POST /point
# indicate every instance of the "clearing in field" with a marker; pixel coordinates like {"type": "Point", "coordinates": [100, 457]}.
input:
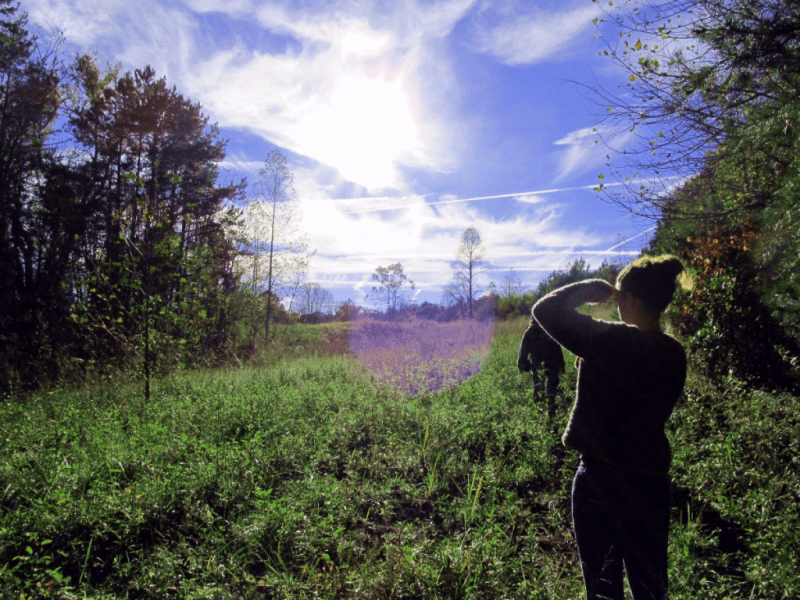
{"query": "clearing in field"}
{"type": "Point", "coordinates": [420, 356]}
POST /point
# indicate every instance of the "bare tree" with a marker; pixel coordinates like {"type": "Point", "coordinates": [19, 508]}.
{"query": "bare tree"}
{"type": "Point", "coordinates": [291, 289]}
{"type": "Point", "coordinates": [315, 298]}
{"type": "Point", "coordinates": [271, 230]}
{"type": "Point", "coordinates": [390, 281]}
{"type": "Point", "coordinates": [468, 266]}
{"type": "Point", "coordinates": [512, 285]}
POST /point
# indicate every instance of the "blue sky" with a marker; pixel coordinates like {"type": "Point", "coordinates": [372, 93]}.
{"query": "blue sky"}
{"type": "Point", "coordinates": [404, 122]}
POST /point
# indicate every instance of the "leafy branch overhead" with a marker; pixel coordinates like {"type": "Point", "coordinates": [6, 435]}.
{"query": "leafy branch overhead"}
{"type": "Point", "coordinates": [707, 82]}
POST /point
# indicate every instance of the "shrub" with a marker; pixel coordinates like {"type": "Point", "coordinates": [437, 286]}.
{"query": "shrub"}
{"type": "Point", "coordinates": [732, 332]}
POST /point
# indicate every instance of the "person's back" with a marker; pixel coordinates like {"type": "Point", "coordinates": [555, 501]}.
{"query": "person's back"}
{"type": "Point", "coordinates": [539, 347]}
{"type": "Point", "coordinates": [628, 384]}
{"type": "Point", "coordinates": [630, 377]}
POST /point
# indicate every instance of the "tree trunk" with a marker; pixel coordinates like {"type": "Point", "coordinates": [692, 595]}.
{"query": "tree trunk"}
{"type": "Point", "coordinates": [269, 280]}
{"type": "Point", "coordinates": [470, 288]}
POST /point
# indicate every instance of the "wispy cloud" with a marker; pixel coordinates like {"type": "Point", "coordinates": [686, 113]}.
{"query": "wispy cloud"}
{"type": "Point", "coordinates": [530, 197]}
{"type": "Point", "coordinates": [383, 203]}
{"type": "Point", "coordinates": [523, 33]}
{"type": "Point", "coordinates": [424, 238]}
{"type": "Point", "coordinates": [369, 92]}
{"type": "Point", "coordinates": [585, 149]}
{"type": "Point", "coordinates": [241, 164]}
{"type": "Point", "coordinates": [350, 89]}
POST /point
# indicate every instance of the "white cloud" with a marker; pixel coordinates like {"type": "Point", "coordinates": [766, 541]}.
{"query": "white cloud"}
{"type": "Point", "coordinates": [529, 198]}
{"type": "Point", "coordinates": [585, 148]}
{"type": "Point", "coordinates": [158, 34]}
{"type": "Point", "coordinates": [81, 23]}
{"type": "Point", "coordinates": [424, 238]}
{"type": "Point", "coordinates": [526, 34]}
{"type": "Point", "coordinates": [229, 7]}
{"type": "Point", "coordinates": [350, 90]}
{"type": "Point", "coordinates": [412, 21]}
{"type": "Point", "coordinates": [363, 87]}
{"type": "Point", "coordinates": [239, 163]}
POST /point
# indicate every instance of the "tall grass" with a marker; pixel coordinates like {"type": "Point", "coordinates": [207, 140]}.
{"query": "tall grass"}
{"type": "Point", "coordinates": [314, 479]}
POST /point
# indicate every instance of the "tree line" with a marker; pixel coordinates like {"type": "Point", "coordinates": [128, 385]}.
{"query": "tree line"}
{"type": "Point", "coordinates": [120, 246]}
{"type": "Point", "coordinates": [113, 229]}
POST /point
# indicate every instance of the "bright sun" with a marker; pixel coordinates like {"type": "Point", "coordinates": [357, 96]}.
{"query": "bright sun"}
{"type": "Point", "coordinates": [365, 127]}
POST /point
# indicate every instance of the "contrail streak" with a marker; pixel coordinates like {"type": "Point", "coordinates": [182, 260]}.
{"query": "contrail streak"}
{"type": "Point", "coordinates": [458, 200]}
{"type": "Point", "coordinates": [552, 191]}
{"type": "Point", "coordinates": [628, 240]}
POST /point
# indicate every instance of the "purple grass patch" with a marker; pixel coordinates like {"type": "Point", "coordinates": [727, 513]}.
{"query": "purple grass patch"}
{"type": "Point", "coordinates": [418, 356]}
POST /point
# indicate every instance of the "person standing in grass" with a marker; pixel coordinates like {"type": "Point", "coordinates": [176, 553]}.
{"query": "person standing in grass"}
{"type": "Point", "coordinates": [539, 348]}
{"type": "Point", "coordinates": [630, 376]}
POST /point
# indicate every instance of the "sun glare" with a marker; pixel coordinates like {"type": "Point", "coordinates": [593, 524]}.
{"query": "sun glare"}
{"type": "Point", "coordinates": [365, 127]}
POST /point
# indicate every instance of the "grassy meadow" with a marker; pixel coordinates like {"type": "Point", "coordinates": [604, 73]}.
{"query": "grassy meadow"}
{"type": "Point", "coordinates": [324, 474]}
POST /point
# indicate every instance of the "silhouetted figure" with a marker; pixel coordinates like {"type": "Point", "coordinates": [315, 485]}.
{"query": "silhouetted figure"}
{"type": "Point", "coordinates": [538, 348]}
{"type": "Point", "coordinates": [629, 378]}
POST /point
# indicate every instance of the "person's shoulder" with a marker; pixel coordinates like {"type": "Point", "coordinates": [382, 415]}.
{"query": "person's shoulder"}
{"type": "Point", "coordinates": [600, 327]}
{"type": "Point", "coordinates": [619, 332]}
{"type": "Point", "coordinates": [674, 348]}
{"type": "Point", "coordinates": [645, 341]}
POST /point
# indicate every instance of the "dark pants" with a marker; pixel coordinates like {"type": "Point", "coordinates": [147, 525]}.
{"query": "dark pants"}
{"type": "Point", "coordinates": [621, 518]}
{"type": "Point", "coordinates": [551, 376]}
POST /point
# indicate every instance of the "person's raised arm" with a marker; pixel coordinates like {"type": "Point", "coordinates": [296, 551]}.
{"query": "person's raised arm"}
{"type": "Point", "coordinates": [557, 312]}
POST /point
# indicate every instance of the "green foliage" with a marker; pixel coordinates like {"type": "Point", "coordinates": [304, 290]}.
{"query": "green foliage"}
{"type": "Point", "coordinates": [735, 452]}
{"type": "Point", "coordinates": [348, 311]}
{"type": "Point", "coordinates": [778, 254]}
{"type": "Point", "coordinates": [733, 110]}
{"type": "Point", "coordinates": [33, 228]}
{"type": "Point", "coordinates": [309, 479]}
{"type": "Point", "coordinates": [305, 479]}
{"type": "Point", "coordinates": [516, 305]}
{"type": "Point", "coordinates": [120, 250]}
{"type": "Point", "coordinates": [728, 328]}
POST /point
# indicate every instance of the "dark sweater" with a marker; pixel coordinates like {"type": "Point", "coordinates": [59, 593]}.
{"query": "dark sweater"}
{"type": "Point", "coordinates": [541, 348]}
{"type": "Point", "coordinates": [628, 383]}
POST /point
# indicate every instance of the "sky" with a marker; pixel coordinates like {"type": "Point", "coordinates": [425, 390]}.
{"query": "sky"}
{"type": "Point", "coordinates": [404, 122]}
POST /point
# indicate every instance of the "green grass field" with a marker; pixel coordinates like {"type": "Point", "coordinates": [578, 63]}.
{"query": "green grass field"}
{"type": "Point", "coordinates": [312, 479]}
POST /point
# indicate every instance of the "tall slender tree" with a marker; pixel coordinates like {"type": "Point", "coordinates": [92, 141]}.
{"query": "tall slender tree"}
{"type": "Point", "coordinates": [272, 229]}
{"type": "Point", "coordinates": [464, 287]}
{"type": "Point", "coordinates": [29, 259]}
